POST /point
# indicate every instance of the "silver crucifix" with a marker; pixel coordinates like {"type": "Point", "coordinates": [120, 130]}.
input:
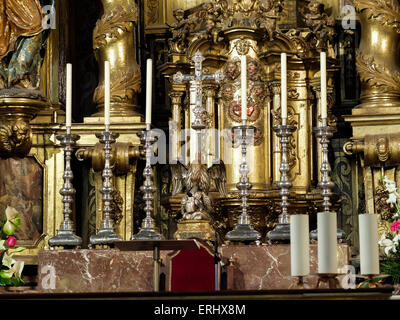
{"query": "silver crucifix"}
{"type": "Point", "coordinates": [198, 77]}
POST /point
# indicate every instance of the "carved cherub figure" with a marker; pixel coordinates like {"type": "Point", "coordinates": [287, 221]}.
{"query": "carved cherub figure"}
{"type": "Point", "coordinates": [15, 139]}
{"type": "Point", "coordinates": [319, 22]}
{"type": "Point", "coordinates": [270, 12]}
{"type": "Point", "coordinates": [197, 181]}
{"type": "Point", "coordinates": [180, 30]}
{"type": "Point", "coordinates": [232, 70]}
{"type": "Point", "coordinates": [211, 20]}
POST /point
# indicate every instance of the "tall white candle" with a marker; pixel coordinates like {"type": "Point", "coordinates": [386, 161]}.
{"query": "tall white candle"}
{"type": "Point", "coordinates": [244, 87]}
{"type": "Point", "coordinates": [327, 242]}
{"type": "Point", "coordinates": [69, 98]}
{"type": "Point", "coordinates": [369, 251]}
{"type": "Point", "coordinates": [107, 95]}
{"type": "Point", "coordinates": [149, 79]}
{"type": "Point", "coordinates": [324, 107]}
{"type": "Point", "coordinates": [284, 88]}
{"type": "Point", "coordinates": [299, 245]}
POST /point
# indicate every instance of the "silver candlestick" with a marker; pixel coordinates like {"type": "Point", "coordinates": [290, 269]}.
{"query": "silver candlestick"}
{"type": "Point", "coordinates": [106, 233]}
{"type": "Point", "coordinates": [325, 133]}
{"type": "Point", "coordinates": [66, 234]}
{"type": "Point", "coordinates": [243, 230]}
{"type": "Point", "coordinates": [281, 233]}
{"type": "Point", "coordinates": [148, 231]}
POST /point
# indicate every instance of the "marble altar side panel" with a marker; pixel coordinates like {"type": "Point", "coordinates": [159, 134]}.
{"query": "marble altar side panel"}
{"type": "Point", "coordinates": [110, 270]}
{"type": "Point", "coordinates": [267, 267]}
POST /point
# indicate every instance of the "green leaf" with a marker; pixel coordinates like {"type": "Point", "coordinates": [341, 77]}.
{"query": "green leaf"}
{"type": "Point", "coordinates": [6, 274]}
{"type": "Point", "coordinates": [19, 249]}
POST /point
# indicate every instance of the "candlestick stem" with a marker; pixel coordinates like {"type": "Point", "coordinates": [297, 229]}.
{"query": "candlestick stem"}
{"type": "Point", "coordinates": [281, 233]}
{"type": "Point", "coordinates": [244, 231]}
{"type": "Point", "coordinates": [66, 237]}
{"type": "Point", "coordinates": [148, 231]}
{"type": "Point", "coordinates": [106, 234]}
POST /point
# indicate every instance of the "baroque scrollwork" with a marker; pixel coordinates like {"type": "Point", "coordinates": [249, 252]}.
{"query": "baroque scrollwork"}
{"type": "Point", "coordinates": [376, 75]}
{"type": "Point", "coordinates": [112, 23]}
{"type": "Point", "coordinates": [387, 12]}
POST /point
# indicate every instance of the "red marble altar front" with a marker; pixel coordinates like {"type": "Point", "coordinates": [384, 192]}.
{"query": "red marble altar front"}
{"type": "Point", "coordinates": [264, 267]}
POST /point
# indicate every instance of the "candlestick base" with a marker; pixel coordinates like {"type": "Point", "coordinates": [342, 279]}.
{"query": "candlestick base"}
{"type": "Point", "coordinates": [148, 231]}
{"type": "Point", "coordinates": [65, 239]}
{"type": "Point", "coordinates": [341, 235]}
{"type": "Point", "coordinates": [299, 284]}
{"type": "Point", "coordinates": [281, 233]}
{"type": "Point", "coordinates": [243, 233]}
{"type": "Point", "coordinates": [369, 281]}
{"type": "Point", "coordinates": [104, 236]}
{"type": "Point", "coordinates": [329, 278]}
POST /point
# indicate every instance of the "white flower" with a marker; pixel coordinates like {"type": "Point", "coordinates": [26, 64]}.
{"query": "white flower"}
{"type": "Point", "coordinates": [17, 268]}
{"type": "Point", "coordinates": [2, 247]}
{"type": "Point", "coordinates": [389, 244]}
{"type": "Point", "coordinates": [392, 198]}
{"type": "Point", "coordinates": [8, 261]}
{"type": "Point", "coordinates": [390, 186]}
{"type": "Point", "coordinates": [396, 239]}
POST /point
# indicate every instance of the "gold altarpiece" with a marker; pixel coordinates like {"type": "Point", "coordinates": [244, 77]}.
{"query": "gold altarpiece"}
{"type": "Point", "coordinates": [217, 31]}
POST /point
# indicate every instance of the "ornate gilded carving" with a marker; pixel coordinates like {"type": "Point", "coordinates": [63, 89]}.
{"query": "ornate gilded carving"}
{"type": "Point", "coordinates": [378, 150]}
{"type": "Point", "coordinates": [113, 41]}
{"type": "Point", "coordinates": [320, 24]}
{"type": "Point", "coordinates": [15, 139]}
{"type": "Point", "coordinates": [180, 31]}
{"type": "Point", "coordinates": [152, 11]}
{"type": "Point", "coordinates": [261, 14]}
{"type": "Point", "coordinates": [112, 23]}
{"type": "Point", "coordinates": [197, 180]}
{"type": "Point", "coordinates": [377, 75]}
{"type": "Point", "coordinates": [386, 12]}
{"type": "Point", "coordinates": [117, 206]}
{"type": "Point", "coordinates": [381, 206]}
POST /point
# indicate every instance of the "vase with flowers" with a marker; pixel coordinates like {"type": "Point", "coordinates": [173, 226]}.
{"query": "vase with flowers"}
{"type": "Point", "coordinates": [10, 269]}
{"type": "Point", "coordinates": [390, 238]}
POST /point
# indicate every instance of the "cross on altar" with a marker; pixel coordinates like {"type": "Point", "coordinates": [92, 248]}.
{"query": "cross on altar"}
{"type": "Point", "coordinates": [198, 77]}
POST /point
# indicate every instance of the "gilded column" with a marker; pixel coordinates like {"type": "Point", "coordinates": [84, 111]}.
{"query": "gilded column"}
{"type": "Point", "coordinates": [211, 125]}
{"type": "Point", "coordinates": [276, 148]}
{"type": "Point", "coordinates": [378, 58]}
{"type": "Point", "coordinates": [176, 106]}
{"type": "Point", "coordinates": [114, 41]}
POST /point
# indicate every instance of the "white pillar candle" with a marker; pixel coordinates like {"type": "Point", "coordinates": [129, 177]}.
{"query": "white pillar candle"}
{"type": "Point", "coordinates": [284, 88]}
{"type": "Point", "coordinates": [369, 250]}
{"type": "Point", "coordinates": [324, 108]}
{"type": "Point", "coordinates": [68, 108]}
{"type": "Point", "coordinates": [244, 87]}
{"type": "Point", "coordinates": [149, 79]}
{"type": "Point", "coordinates": [107, 95]}
{"type": "Point", "coordinates": [327, 242]}
{"type": "Point", "coordinates": [299, 245]}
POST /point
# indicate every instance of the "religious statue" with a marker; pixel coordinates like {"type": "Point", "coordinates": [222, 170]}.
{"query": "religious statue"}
{"type": "Point", "coordinates": [21, 42]}
{"type": "Point", "coordinates": [271, 11]}
{"type": "Point", "coordinates": [211, 20]}
{"type": "Point", "coordinates": [320, 24]}
{"type": "Point", "coordinates": [197, 181]}
{"type": "Point", "coordinates": [180, 30]}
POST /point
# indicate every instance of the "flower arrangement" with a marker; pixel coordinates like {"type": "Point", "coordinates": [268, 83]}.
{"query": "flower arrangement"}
{"type": "Point", "coordinates": [390, 239]}
{"type": "Point", "coordinates": [10, 270]}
